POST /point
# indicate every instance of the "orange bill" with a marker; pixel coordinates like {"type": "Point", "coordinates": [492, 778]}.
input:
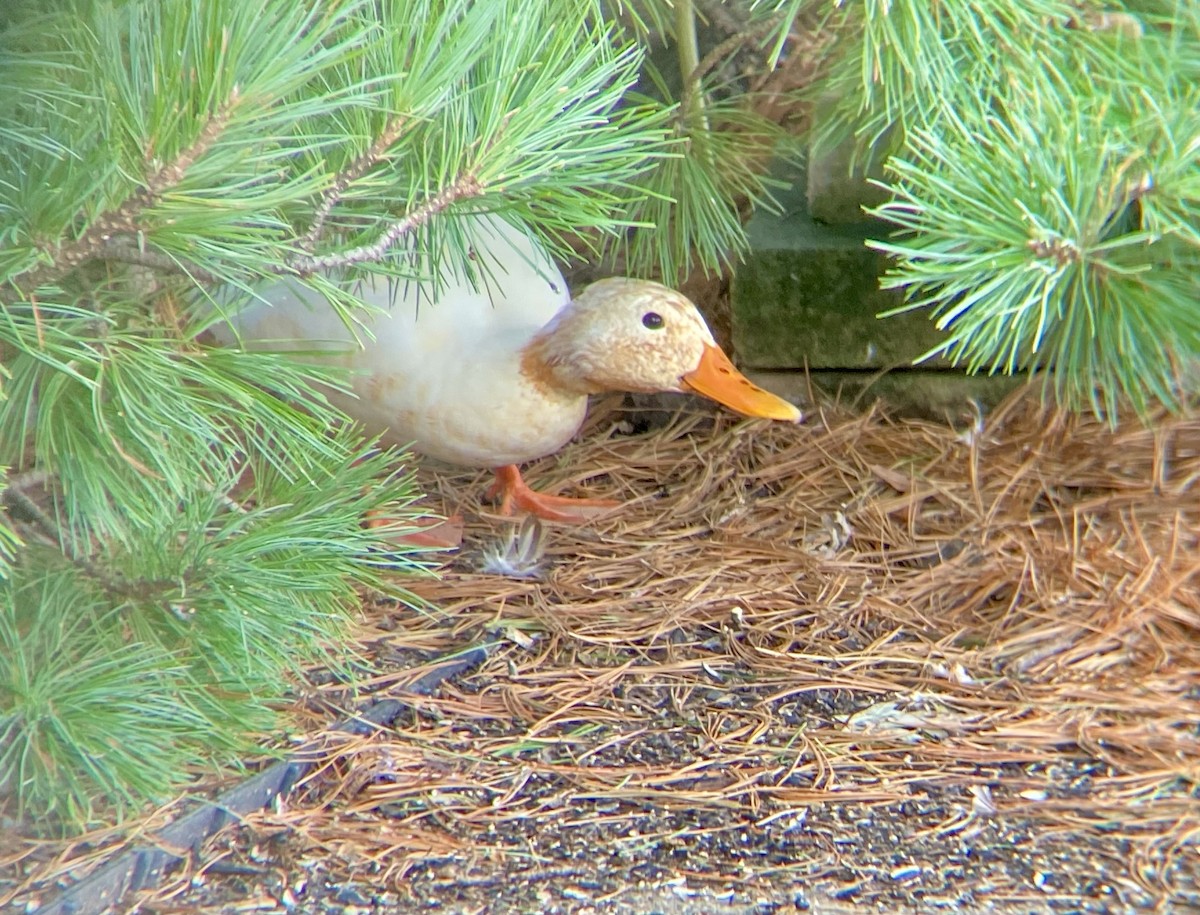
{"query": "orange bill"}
{"type": "Point", "coordinates": [716, 377]}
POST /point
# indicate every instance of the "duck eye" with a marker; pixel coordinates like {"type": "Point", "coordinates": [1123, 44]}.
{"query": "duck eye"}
{"type": "Point", "coordinates": [652, 320]}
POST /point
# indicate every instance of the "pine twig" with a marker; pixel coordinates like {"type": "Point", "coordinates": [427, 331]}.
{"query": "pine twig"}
{"type": "Point", "coordinates": [691, 101]}
{"type": "Point", "coordinates": [124, 250]}
{"type": "Point", "coordinates": [692, 85]}
{"type": "Point", "coordinates": [357, 168]}
{"type": "Point", "coordinates": [97, 238]}
{"type": "Point", "coordinates": [719, 53]}
{"type": "Point", "coordinates": [465, 187]}
{"type": "Point", "coordinates": [23, 508]}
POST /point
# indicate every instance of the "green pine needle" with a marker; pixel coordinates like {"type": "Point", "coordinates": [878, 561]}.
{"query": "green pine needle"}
{"type": "Point", "coordinates": [165, 158]}
{"type": "Point", "coordinates": [86, 719]}
{"type": "Point", "coordinates": [1048, 195]}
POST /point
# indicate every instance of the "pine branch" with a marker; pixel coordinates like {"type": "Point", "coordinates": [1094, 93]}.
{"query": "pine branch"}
{"type": "Point", "coordinates": [377, 151]}
{"type": "Point", "coordinates": [19, 504]}
{"type": "Point", "coordinates": [1043, 176]}
{"type": "Point", "coordinates": [694, 81]}
{"type": "Point", "coordinates": [99, 237]}
{"type": "Point", "coordinates": [464, 187]}
{"type": "Point", "coordinates": [691, 101]}
{"type": "Point", "coordinates": [124, 250]}
{"type": "Point", "coordinates": [1083, 267]}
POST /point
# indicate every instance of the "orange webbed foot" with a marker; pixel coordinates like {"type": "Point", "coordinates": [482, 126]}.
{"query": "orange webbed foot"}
{"type": "Point", "coordinates": [513, 492]}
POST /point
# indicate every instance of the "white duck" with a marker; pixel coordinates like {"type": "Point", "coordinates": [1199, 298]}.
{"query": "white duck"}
{"type": "Point", "coordinates": [499, 376]}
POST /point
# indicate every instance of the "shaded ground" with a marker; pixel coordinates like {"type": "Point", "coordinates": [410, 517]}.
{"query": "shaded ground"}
{"type": "Point", "coordinates": [851, 666]}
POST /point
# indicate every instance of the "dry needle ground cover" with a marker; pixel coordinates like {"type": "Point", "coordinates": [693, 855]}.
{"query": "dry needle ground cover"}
{"type": "Point", "coordinates": [860, 664]}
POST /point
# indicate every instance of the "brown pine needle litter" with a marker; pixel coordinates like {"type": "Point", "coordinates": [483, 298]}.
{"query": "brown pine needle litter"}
{"type": "Point", "coordinates": [858, 664]}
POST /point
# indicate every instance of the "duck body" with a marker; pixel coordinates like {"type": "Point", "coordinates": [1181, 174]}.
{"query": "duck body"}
{"type": "Point", "coordinates": [497, 373]}
{"type": "Point", "coordinates": [440, 374]}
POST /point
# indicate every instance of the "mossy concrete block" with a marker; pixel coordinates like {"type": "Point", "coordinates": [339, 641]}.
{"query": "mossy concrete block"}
{"type": "Point", "coordinates": [808, 295]}
{"type": "Point", "coordinates": [928, 394]}
{"type": "Point", "coordinates": [839, 192]}
{"type": "Point", "coordinates": [841, 178]}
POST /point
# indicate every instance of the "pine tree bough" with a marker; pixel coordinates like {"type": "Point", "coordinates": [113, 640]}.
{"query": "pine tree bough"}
{"type": "Point", "coordinates": [1042, 165]}
{"type": "Point", "coordinates": [208, 503]}
{"type": "Point", "coordinates": [389, 135]}
{"type": "Point", "coordinates": [111, 235]}
{"type": "Point", "coordinates": [103, 237]}
{"type": "Point", "coordinates": [462, 188]}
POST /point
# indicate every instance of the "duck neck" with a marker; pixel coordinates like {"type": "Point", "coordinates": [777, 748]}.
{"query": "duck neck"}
{"type": "Point", "coordinates": [552, 364]}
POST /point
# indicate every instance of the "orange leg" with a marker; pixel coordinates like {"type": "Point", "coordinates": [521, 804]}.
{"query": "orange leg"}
{"type": "Point", "coordinates": [512, 492]}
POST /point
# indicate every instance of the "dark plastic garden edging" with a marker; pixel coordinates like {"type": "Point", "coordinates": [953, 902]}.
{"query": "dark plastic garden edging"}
{"type": "Point", "coordinates": [145, 866]}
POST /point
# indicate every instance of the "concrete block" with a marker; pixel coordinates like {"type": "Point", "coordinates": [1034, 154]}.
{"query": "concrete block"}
{"type": "Point", "coordinates": [808, 295]}
{"type": "Point", "coordinates": [838, 192]}
{"type": "Point", "coordinates": [939, 395]}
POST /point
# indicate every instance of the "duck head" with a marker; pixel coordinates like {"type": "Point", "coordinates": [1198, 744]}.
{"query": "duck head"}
{"type": "Point", "coordinates": [623, 334]}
